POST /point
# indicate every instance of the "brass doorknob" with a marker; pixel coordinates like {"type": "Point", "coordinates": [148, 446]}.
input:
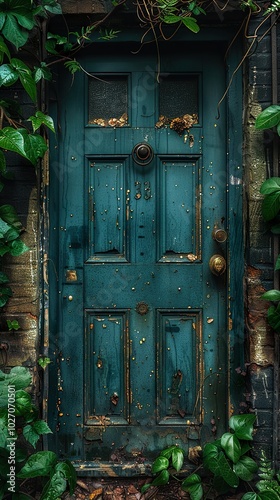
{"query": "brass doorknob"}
{"type": "Point", "coordinates": [217, 264]}
{"type": "Point", "coordinates": [220, 235]}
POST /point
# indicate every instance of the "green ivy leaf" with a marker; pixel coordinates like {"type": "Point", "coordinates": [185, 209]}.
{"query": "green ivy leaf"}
{"type": "Point", "coordinates": [11, 235]}
{"type": "Point", "coordinates": [217, 463]}
{"type": "Point", "coordinates": [269, 117]}
{"type": "Point", "coordinates": [35, 147]}
{"type": "Point", "coordinates": [25, 77]}
{"type": "Point", "coordinates": [9, 215]}
{"type": "Point", "coordinates": [19, 377]}
{"type": "Point", "coordinates": [50, 47]}
{"type": "Point", "coordinates": [13, 325]}
{"type": "Point", "coordinates": [4, 228]}
{"type": "Point", "coordinates": [8, 75]}
{"type": "Point", "coordinates": [2, 19]}
{"type": "Point", "coordinates": [55, 487]}
{"type": "Point", "coordinates": [22, 402]}
{"type": "Point", "coordinates": [172, 19]}
{"type": "Point", "coordinates": [159, 464]}
{"type": "Point", "coordinates": [210, 454]}
{"type": "Point", "coordinates": [191, 24]}
{"type": "Point", "coordinates": [38, 464]}
{"type": "Point", "coordinates": [273, 295]}
{"type": "Point", "coordinates": [177, 458]}
{"type": "Point", "coordinates": [224, 470]}
{"type": "Point", "coordinates": [17, 247]}
{"type": "Point", "coordinates": [273, 318]}
{"type": "Point", "coordinates": [271, 206]}
{"type": "Point", "coordinates": [3, 48]}
{"type": "Point", "coordinates": [25, 20]}
{"type": "Point", "coordinates": [270, 185]}
{"type": "Point", "coordinates": [44, 362]}
{"type": "Point", "coordinates": [42, 72]}
{"type": "Point", "coordinates": [3, 278]}
{"type": "Point", "coordinates": [12, 140]}
{"type": "Point", "coordinates": [41, 427]}
{"type": "Point", "coordinates": [52, 6]}
{"type": "Point", "coordinates": [59, 40]}
{"type": "Point", "coordinates": [30, 435]}
{"type": "Point", "coordinates": [192, 484]}
{"type": "Point", "coordinates": [231, 445]}
{"type": "Point", "coordinates": [41, 119]}
{"type": "Point", "coordinates": [11, 30]}
{"type": "Point", "coordinates": [260, 496]}
{"type": "Point", "coordinates": [161, 479]}
{"type": "Point", "coordinates": [167, 452]}
{"type": "Point", "coordinates": [5, 294]}
{"type": "Point", "coordinates": [29, 85]}
{"type": "Point", "coordinates": [145, 487]}
{"type": "Point", "coordinates": [277, 264]}
{"type": "Point", "coordinates": [67, 468]}
{"type": "Point", "coordinates": [242, 425]}
{"type": "Point", "coordinates": [3, 250]}
{"type": "Point", "coordinates": [245, 468]}
{"type": "Point", "coordinates": [33, 432]}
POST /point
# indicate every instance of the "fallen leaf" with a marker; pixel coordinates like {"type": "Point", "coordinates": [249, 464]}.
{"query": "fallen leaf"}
{"type": "Point", "coordinates": [95, 494]}
{"type": "Point", "coordinates": [82, 484]}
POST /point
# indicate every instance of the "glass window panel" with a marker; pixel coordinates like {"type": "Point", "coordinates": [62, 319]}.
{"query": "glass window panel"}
{"type": "Point", "coordinates": [107, 102]}
{"type": "Point", "coordinates": [178, 95]}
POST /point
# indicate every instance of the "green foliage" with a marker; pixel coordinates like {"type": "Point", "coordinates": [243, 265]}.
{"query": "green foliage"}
{"type": "Point", "coordinates": [226, 459]}
{"type": "Point", "coordinates": [268, 118]}
{"type": "Point", "coordinates": [13, 325]}
{"type": "Point", "coordinates": [10, 242]}
{"type": "Point", "coordinates": [19, 417]}
{"type": "Point", "coordinates": [270, 189]}
{"type": "Point", "coordinates": [269, 480]}
{"type": "Point", "coordinates": [44, 362]}
{"type": "Point", "coordinates": [18, 18]}
{"type": "Point", "coordinates": [171, 12]}
{"type": "Point", "coordinates": [108, 35]}
{"type": "Point", "coordinates": [228, 463]}
{"type": "Point", "coordinates": [275, 5]}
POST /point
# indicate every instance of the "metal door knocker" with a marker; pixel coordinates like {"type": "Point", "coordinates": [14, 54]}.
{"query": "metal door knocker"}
{"type": "Point", "coordinates": [142, 153]}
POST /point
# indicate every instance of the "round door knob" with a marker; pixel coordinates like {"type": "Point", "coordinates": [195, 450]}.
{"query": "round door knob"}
{"type": "Point", "coordinates": [142, 153]}
{"type": "Point", "coordinates": [217, 264]}
{"type": "Point", "coordinates": [220, 235]}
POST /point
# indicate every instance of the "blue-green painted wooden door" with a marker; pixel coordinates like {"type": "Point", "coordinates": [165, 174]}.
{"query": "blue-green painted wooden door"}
{"type": "Point", "coordinates": [138, 320]}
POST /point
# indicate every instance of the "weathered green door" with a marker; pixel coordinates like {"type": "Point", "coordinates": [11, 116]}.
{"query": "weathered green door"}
{"type": "Point", "coordinates": [138, 319]}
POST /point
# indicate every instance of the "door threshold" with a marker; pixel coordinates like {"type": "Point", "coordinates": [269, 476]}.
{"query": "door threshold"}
{"type": "Point", "coordinates": [112, 469]}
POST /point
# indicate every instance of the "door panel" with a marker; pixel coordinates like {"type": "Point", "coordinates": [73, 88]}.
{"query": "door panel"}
{"type": "Point", "coordinates": [141, 321]}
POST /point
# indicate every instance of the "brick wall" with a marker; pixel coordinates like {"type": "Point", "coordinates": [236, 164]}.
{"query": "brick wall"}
{"type": "Point", "coordinates": [23, 271]}
{"type": "Point", "coordinates": [258, 165]}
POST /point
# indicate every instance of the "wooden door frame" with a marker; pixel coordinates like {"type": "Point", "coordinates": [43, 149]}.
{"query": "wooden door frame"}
{"type": "Point", "coordinates": [235, 257]}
